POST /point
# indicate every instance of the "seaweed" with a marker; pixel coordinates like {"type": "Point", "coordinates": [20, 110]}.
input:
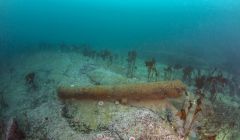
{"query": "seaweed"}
{"type": "Point", "coordinates": [106, 55]}
{"type": "Point", "coordinates": [184, 115]}
{"type": "Point", "coordinates": [152, 70]}
{"type": "Point", "coordinates": [199, 82]}
{"type": "Point", "coordinates": [216, 84]}
{"type": "Point", "coordinates": [177, 66]}
{"type": "Point", "coordinates": [30, 80]}
{"type": "Point", "coordinates": [132, 56]}
{"type": "Point", "coordinates": [88, 52]}
{"type": "Point", "coordinates": [187, 73]}
{"type": "Point", "coordinates": [168, 71]}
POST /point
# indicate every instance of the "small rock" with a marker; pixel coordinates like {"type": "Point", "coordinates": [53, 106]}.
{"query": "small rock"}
{"type": "Point", "coordinates": [100, 103]}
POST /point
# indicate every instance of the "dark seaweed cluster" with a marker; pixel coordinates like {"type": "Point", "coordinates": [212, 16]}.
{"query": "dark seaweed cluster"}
{"type": "Point", "coordinates": [30, 81]}
{"type": "Point", "coordinates": [131, 59]}
{"type": "Point", "coordinates": [168, 72]}
{"type": "Point", "coordinates": [187, 73]}
{"type": "Point", "coordinates": [200, 82]}
{"type": "Point", "coordinates": [185, 113]}
{"type": "Point", "coordinates": [152, 70]}
{"type": "Point", "coordinates": [88, 52]}
{"type": "Point", "coordinates": [216, 84]}
{"type": "Point", "coordinates": [212, 83]}
{"type": "Point", "coordinates": [106, 55]}
{"type": "Point", "coordinates": [171, 72]}
{"type": "Point", "coordinates": [177, 67]}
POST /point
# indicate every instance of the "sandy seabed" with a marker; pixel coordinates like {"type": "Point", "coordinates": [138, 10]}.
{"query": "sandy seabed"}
{"type": "Point", "coordinates": [42, 115]}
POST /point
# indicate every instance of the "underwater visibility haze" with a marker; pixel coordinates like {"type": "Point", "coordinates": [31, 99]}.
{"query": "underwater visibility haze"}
{"type": "Point", "coordinates": [120, 69]}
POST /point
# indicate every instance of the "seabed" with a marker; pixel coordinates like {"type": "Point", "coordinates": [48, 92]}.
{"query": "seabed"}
{"type": "Point", "coordinates": [208, 109]}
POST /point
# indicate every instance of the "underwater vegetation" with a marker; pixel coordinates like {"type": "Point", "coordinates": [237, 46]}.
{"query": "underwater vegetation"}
{"type": "Point", "coordinates": [131, 67]}
{"type": "Point", "coordinates": [152, 70]}
{"type": "Point", "coordinates": [106, 55]}
{"type": "Point", "coordinates": [177, 67]}
{"type": "Point", "coordinates": [168, 72]}
{"type": "Point", "coordinates": [30, 81]}
{"type": "Point", "coordinates": [187, 73]}
{"type": "Point", "coordinates": [209, 120]}
{"type": "Point", "coordinates": [214, 83]}
{"type": "Point", "coordinates": [214, 116]}
{"type": "Point", "coordinates": [172, 71]}
{"type": "Point", "coordinates": [88, 52]}
{"type": "Point", "coordinates": [188, 117]}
